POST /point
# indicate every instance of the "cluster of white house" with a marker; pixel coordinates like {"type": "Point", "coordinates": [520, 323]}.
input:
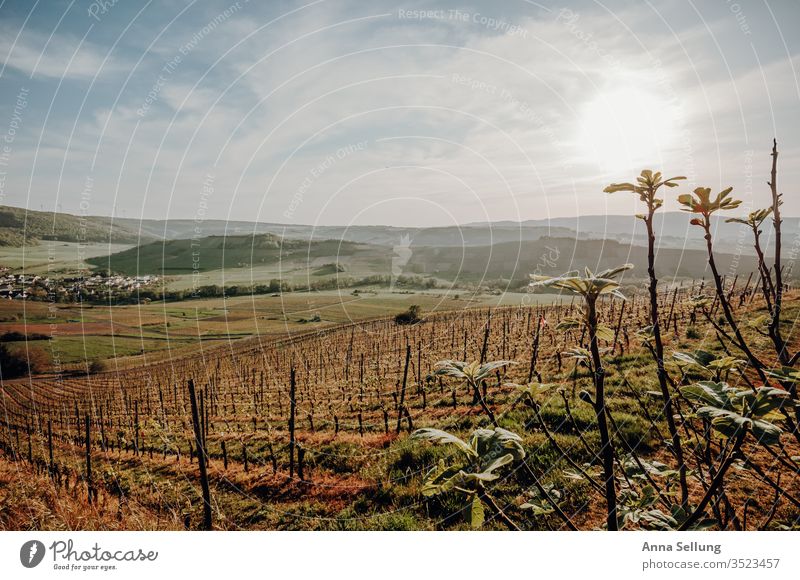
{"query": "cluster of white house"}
{"type": "Point", "coordinates": [33, 286]}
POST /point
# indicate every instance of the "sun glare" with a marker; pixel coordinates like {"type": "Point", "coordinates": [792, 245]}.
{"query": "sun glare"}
{"type": "Point", "coordinates": [624, 128]}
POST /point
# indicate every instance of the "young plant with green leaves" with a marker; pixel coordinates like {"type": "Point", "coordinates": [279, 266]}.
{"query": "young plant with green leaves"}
{"type": "Point", "coordinates": [733, 413]}
{"type": "Point", "coordinates": [639, 509]}
{"type": "Point", "coordinates": [646, 187]}
{"type": "Point", "coordinates": [590, 287]}
{"type": "Point", "coordinates": [772, 288]}
{"type": "Point", "coordinates": [754, 220]}
{"type": "Point", "coordinates": [720, 367]}
{"type": "Point", "coordinates": [487, 451]}
{"type": "Point", "coordinates": [472, 374]}
{"type": "Point", "coordinates": [704, 206]}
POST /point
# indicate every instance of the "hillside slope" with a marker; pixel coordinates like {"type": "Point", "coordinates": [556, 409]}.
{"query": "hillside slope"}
{"type": "Point", "coordinates": [672, 231]}
{"type": "Point", "coordinates": [511, 261]}
{"type": "Point", "coordinates": [219, 252]}
{"type": "Point", "coordinates": [19, 227]}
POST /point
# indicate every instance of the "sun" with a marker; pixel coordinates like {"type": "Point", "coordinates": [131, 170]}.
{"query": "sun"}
{"type": "Point", "coordinates": [625, 128]}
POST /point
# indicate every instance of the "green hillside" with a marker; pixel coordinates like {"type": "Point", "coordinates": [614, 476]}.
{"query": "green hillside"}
{"type": "Point", "coordinates": [268, 256]}
{"type": "Point", "coordinates": [221, 252]}
{"type": "Point", "coordinates": [20, 227]}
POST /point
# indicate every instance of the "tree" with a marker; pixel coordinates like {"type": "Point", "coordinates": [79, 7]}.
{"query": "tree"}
{"type": "Point", "coordinates": [733, 413]}
{"type": "Point", "coordinates": [98, 366]}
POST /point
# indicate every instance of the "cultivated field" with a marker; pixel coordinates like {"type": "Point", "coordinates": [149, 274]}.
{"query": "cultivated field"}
{"type": "Point", "coordinates": [136, 334]}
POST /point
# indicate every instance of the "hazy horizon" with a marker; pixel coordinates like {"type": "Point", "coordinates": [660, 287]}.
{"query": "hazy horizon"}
{"type": "Point", "coordinates": [402, 226]}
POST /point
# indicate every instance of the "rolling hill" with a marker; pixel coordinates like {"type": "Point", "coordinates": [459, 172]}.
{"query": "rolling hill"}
{"type": "Point", "coordinates": [19, 227]}
{"type": "Point", "coordinates": [220, 252]}
{"type": "Point", "coordinates": [672, 230]}
{"type": "Point", "coordinates": [510, 261]}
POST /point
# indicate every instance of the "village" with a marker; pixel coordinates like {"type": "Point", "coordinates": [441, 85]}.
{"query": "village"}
{"type": "Point", "coordinates": [14, 286]}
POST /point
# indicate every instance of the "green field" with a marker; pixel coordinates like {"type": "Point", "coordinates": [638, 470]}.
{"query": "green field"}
{"type": "Point", "coordinates": [55, 257]}
{"type": "Point", "coordinates": [224, 252]}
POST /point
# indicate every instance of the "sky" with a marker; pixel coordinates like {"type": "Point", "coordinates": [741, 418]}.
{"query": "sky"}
{"type": "Point", "coordinates": [426, 113]}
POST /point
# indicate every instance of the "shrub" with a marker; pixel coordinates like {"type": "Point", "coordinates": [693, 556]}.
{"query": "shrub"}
{"type": "Point", "coordinates": [19, 362]}
{"type": "Point", "coordinates": [410, 316]}
{"type": "Point", "coordinates": [15, 336]}
{"type": "Point", "coordinates": [98, 366]}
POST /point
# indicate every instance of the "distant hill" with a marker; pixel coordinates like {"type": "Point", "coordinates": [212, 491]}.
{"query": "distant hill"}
{"type": "Point", "coordinates": [221, 252]}
{"type": "Point", "coordinates": [470, 253]}
{"type": "Point", "coordinates": [553, 256]}
{"type": "Point", "coordinates": [478, 235]}
{"type": "Point", "coordinates": [509, 261]}
{"type": "Point", "coordinates": [19, 227]}
{"type": "Point", "coordinates": [672, 230]}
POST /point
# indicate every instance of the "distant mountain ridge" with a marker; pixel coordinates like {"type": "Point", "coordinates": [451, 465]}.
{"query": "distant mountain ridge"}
{"type": "Point", "coordinates": [672, 231]}
{"type": "Point", "coordinates": [508, 261]}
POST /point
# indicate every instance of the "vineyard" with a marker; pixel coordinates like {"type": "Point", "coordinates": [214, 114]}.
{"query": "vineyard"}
{"type": "Point", "coordinates": [311, 431]}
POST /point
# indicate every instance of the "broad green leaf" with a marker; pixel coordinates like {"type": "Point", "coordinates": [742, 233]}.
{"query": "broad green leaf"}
{"type": "Point", "coordinates": [764, 400]}
{"type": "Point", "coordinates": [485, 370]}
{"type": "Point", "coordinates": [610, 273]}
{"type": "Point", "coordinates": [615, 187]}
{"type": "Point", "coordinates": [700, 358]}
{"type": "Point", "coordinates": [604, 332]}
{"type": "Point", "coordinates": [440, 437]}
{"type": "Point", "coordinates": [730, 424]}
{"type": "Point", "coordinates": [440, 479]}
{"type": "Point", "coordinates": [492, 444]}
{"type": "Point", "coordinates": [709, 392]}
{"type": "Point", "coordinates": [476, 514]}
{"type": "Point", "coordinates": [785, 375]}
{"type": "Point", "coordinates": [498, 463]}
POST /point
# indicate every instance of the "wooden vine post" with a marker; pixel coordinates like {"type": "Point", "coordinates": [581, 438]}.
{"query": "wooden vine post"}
{"type": "Point", "coordinates": [201, 458]}
{"type": "Point", "coordinates": [401, 404]}
{"type": "Point", "coordinates": [89, 487]}
{"type": "Point", "coordinates": [292, 411]}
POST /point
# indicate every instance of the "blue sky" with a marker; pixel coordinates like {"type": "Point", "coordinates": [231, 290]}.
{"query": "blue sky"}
{"type": "Point", "coordinates": [402, 113]}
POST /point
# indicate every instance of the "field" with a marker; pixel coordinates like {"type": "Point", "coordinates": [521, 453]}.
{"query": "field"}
{"type": "Point", "coordinates": [137, 334]}
{"type": "Point", "coordinates": [307, 425]}
{"type": "Point", "coordinates": [55, 257]}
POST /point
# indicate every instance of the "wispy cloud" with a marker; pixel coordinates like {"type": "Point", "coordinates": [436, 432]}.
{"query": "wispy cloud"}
{"type": "Point", "coordinates": [54, 55]}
